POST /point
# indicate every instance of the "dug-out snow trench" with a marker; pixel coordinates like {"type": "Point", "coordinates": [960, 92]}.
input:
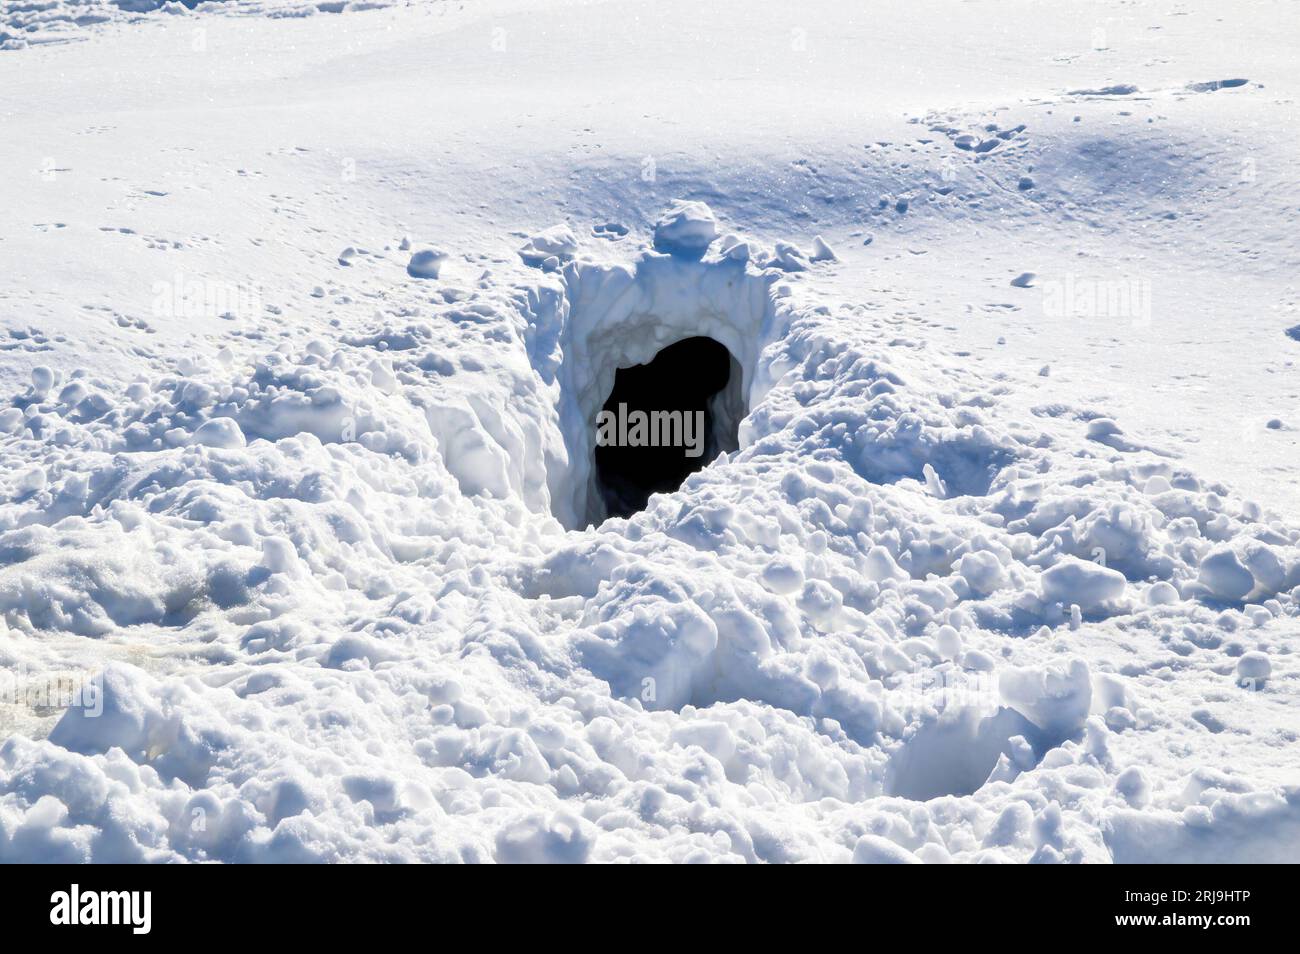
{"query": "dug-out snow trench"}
{"type": "Point", "coordinates": [614, 317]}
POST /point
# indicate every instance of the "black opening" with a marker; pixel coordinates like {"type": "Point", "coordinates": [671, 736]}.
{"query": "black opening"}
{"type": "Point", "coordinates": [670, 398]}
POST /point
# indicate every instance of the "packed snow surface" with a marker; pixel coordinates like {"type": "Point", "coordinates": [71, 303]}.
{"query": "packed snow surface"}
{"type": "Point", "coordinates": [305, 322]}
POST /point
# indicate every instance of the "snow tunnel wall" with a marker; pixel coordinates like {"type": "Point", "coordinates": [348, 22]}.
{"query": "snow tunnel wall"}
{"type": "Point", "coordinates": [618, 316]}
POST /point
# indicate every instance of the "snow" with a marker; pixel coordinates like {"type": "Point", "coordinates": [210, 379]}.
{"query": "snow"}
{"type": "Point", "coordinates": [1254, 666]}
{"type": "Point", "coordinates": [686, 229]}
{"type": "Point", "coordinates": [1224, 576]}
{"type": "Point", "coordinates": [219, 432]}
{"type": "Point", "coordinates": [875, 850]}
{"type": "Point", "coordinates": [1056, 699]}
{"type": "Point", "coordinates": [306, 510]}
{"type": "Point", "coordinates": [426, 263]}
{"type": "Point", "coordinates": [1086, 585]}
{"type": "Point", "coordinates": [550, 248]}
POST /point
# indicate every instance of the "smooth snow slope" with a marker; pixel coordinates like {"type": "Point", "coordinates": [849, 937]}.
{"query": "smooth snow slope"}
{"type": "Point", "coordinates": [986, 580]}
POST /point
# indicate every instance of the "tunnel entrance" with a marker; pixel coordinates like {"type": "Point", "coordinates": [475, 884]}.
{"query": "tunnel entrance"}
{"type": "Point", "coordinates": [665, 420]}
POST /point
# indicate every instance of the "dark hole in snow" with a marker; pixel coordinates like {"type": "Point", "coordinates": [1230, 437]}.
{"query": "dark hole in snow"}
{"type": "Point", "coordinates": [665, 420]}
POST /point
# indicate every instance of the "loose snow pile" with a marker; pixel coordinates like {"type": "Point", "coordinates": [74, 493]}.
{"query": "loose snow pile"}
{"type": "Point", "coordinates": [359, 603]}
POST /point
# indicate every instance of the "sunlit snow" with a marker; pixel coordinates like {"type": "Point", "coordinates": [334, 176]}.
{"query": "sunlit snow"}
{"type": "Point", "coordinates": [307, 314]}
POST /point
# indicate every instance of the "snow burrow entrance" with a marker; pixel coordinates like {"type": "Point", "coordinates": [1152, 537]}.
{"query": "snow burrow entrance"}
{"type": "Point", "coordinates": [665, 420]}
{"type": "Point", "coordinates": [616, 317]}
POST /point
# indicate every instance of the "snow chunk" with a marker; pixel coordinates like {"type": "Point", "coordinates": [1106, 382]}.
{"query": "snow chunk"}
{"type": "Point", "coordinates": [821, 252]}
{"type": "Point", "coordinates": [933, 483]}
{"type": "Point", "coordinates": [279, 555]}
{"type": "Point", "coordinates": [1056, 698]}
{"type": "Point", "coordinates": [220, 432]}
{"type": "Point", "coordinates": [881, 566]}
{"type": "Point", "coordinates": [982, 571]}
{"type": "Point", "coordinates": [563, 838]}
{"type": "Point", "coordinates": [426, 263]}
{"type": "Point", "coordinates": [1254, 667]}
{"type": "Point", "coordinates": [783, 577]}
{"type": "Point", "coordinates": [1133, 786]}
{"type": "Point", "coordinates": [32, 481]}
{"type": "Point", "coordinates": [686, 229]}
{"type": "Point", "coordinates": [786, 257]}
{"type": "Point", "coordinates": [43, 379]}
{"type": "Point", "coordinates": [558, 242]}
{"type": "Point", "coordinates": [1101, 428]}
{"type": "Point", "coordinates": [121, 716]}
{"type": "Point", "coordinates": [948, 641]}
{"type": "Point", "coordinates": [1161, 594]}
{"type": "Point", "coordinates": [1087, 585]}
{"type": "Point", "coordinates": [875, 850]}
{"type": "Point", "coordinates": [1225, 577]}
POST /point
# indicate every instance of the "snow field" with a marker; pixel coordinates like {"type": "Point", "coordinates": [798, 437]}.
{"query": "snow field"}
{"type": "Point", "coordinates": [326, 555]}
{"type": "Point", "coordinates": [27, 23]}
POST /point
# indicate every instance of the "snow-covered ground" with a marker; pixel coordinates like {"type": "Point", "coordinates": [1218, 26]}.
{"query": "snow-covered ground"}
{"type": "Point", "coordinates": [296, 496]}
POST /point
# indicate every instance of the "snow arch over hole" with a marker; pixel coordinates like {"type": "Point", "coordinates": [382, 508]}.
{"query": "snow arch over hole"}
{"type": "Point", "coordinates": [665, 420]}
{"type": "Point", "coordinates": [621, 316]}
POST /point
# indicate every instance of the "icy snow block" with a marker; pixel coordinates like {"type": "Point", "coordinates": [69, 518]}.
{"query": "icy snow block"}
{"type": "Point", "coordinates": [686, 229]}
{"type": "Point", "coordinates": [426, 263]}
